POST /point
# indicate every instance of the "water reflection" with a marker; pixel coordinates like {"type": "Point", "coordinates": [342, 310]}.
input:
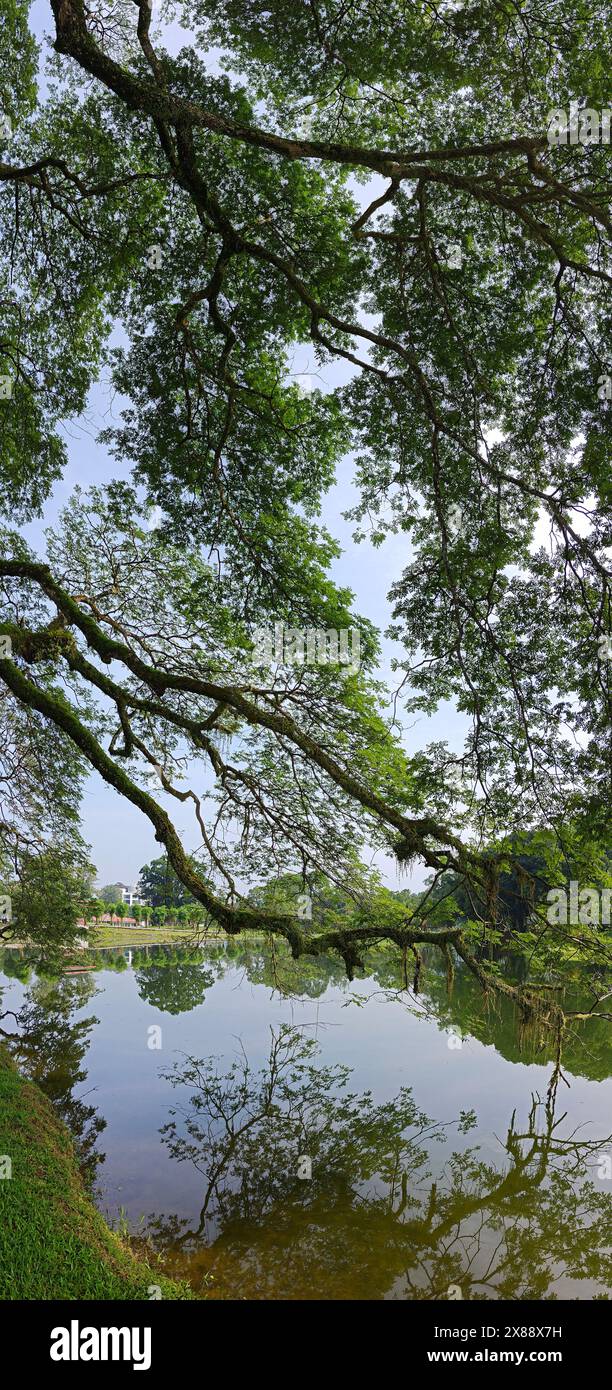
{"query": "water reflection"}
{"type": "Point", "coordinates": [174, 987]}
{"type": "Point", "coordinates": [371, 1221]}
{"type": "Point", "coordinates": [49, 1045]}
{"type": "Point", "coordinates": [176, 980]}
{"type": "Point", "coordinates": [400, 1203]}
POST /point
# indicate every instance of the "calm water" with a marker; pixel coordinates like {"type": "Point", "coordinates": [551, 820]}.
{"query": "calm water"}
{"type": "Point", "coordinates": [279, 1133]}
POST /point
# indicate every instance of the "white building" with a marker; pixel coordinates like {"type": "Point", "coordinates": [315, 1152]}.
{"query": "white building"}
{"type": "Point", "coordinates": [130, 896]}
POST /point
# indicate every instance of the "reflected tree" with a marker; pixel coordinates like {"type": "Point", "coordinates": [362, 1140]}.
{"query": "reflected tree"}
{"type": "Point", "coordinates": [396, 1205]}
{"type": "Point", "coordinates": [175, 987]}
{"type": "Point", "coordinates": [49, 1043]}
{"type": "Point", "coordinates": [518, 1034]}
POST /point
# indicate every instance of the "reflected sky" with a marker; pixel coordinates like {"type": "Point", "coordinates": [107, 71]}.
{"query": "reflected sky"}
{"type": "Point", "coordinates": [354, 1230]}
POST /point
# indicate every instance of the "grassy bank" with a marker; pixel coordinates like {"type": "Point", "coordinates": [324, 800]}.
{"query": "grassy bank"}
{"type": "Point", "coordinates": [116, 935]}
{"type": "Point", "coordinates": [162, 936]}
{"type": "Point", "coordinates": [54, 1244]}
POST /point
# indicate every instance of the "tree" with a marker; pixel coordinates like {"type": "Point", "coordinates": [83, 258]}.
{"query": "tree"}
{"type": "Point", "coordinates": [110, 894]}
{"type": "Point", "coordinates": [196, 916]}
{"type": "Point", "coordinates": [95, 909]}
{"type": "Point", "coordinates": [160, 884]}
{"type": "Point", "coordinates": [216, 221]}
{"type": "Point", "coordinates": [47, 895]}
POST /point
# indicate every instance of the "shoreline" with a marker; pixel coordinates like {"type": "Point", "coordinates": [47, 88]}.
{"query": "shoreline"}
{"type": "Point", "coordinates": [54, 1243]}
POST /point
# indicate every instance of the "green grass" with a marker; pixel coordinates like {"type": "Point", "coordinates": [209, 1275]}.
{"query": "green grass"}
{"type": "Point", "coordinates": [54, 1244]}
{"type": "Point", "coordinates": [116, 935]}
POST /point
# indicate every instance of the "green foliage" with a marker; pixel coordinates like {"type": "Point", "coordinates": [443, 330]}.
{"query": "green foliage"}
{"type": "Point", "coordinates": [47, 898]}
{"type": "Point", "coordinates": [109, 894]}
{"type": "Point", "coordinates": [161, 887]}
{"type": "Point", "coordinates": [19, 53]}
{"type": "Point", "coordinates": [302, 201]}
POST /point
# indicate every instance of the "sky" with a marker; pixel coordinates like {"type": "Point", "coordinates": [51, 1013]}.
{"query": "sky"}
{"type": "Point", "coordinates": [121, 838]}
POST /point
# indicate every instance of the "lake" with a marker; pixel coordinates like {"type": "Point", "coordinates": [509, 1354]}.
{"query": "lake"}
{"type": "Point", "coordinates": [276, 1132]}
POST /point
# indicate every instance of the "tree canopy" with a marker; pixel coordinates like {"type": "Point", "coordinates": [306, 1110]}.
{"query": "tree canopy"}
{"type": "Point", "coordinates": [383, 188]}
{"type": "Point", "coordinates": [160, 885]}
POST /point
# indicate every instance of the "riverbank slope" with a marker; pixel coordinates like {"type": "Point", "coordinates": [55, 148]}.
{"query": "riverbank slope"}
{"type": "Point", "coordinates": [54, 1244]}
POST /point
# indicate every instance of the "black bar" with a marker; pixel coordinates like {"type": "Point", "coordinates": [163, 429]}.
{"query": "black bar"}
{"type": "Point", "coordinates": [449, 1336]}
